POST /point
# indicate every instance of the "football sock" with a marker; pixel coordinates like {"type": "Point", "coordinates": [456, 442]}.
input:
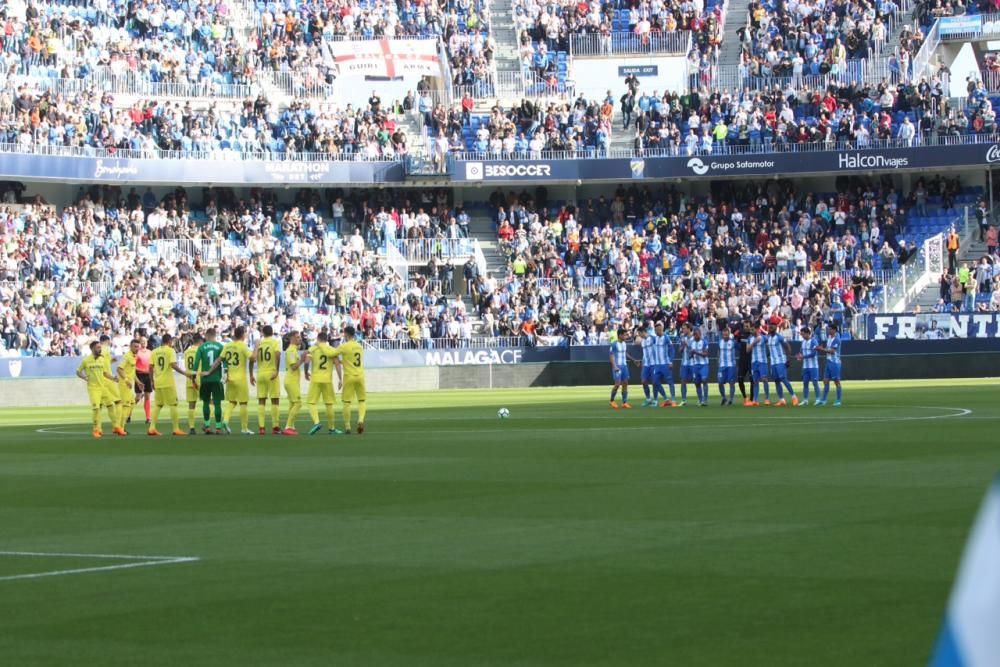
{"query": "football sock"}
{"type": "Point", "coordinates": [658, 390]}
{"type": "Point", "coordinates": [113, 415]}
{"type": "Point", "coordinates": [175, 418]}
{"type": "Point", "coordinates": [314, 412]}
{"type": "Point", "coordinates": [261, 415]}
{"type": "Point", "coordinates": [227, 414]}
{"type": "Point", "coordinates": [293, 411]}
{"type": "Point", "coordinates": [767, 391]}
{"type": "Point", "coordinates": [839, 392]}
{"type": "Point", "coordinates": [95, 416]}
{"type": "Point", "coordinates": [732, 391]}
{"type": "Point", "coordinates": [154, 417]}
{"type": "Point", "coordinates": [826, 390]}
{"type": "Point", "coordinates": [614, 392]}
{"type": "Point", "coordinates": [362, 411]}
{"type": "Point", "coordinates": [684, 391]}
{"type": "Point", "coordinates": [805, 390]}
{"type": "Point", "coordinates": [743, 389]}
{"type": "Point", "coordinates": [244, 417]}
{"type": "Point", "coordinates": [192, 418]}
{"type": "Point", "coordinates": [218, 410]}
{"type": "Point", "coordinates": [275, 415]}
{"type": "Point", "coordinates": [331, 416]}
{"type": "Point", "coordinates": [145, 407]}
{"type": "Point", "coordinates": [206, 412]}
{"type": "Point", "coordinates": [722, 390]}
{"type": "Point", "coordinates": [347, 415]}
{"type": "Point", "coordinates": [780, 389]}
{"type": "Point", "coordinates": [645, 390]}
{"type": "Point", "coordinates": [624, 395]}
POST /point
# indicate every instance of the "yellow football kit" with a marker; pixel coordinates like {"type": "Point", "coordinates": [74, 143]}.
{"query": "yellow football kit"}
{"type": "Point", "coordinates": [352, 356]}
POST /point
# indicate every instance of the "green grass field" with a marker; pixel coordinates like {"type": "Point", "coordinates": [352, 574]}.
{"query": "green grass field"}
{"type": "Point", "coordinates": [569, 534]}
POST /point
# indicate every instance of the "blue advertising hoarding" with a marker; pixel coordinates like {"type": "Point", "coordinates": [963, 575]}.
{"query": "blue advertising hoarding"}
{"type": "Point", "coordinates": [23, 166]}
{"type": "Point", "coordinates": [725, 166]}
{"type": "Point", "coordinates": [966, 25]}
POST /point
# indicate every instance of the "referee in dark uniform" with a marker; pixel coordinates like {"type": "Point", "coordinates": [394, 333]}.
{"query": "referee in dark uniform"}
{"type": "Point", "coordinates": [742, 334]}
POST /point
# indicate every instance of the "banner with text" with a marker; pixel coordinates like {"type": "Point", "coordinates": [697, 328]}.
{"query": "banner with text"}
{"type": "Point", "coordinates": [933, 326]}
{"type": "Point", "coordinates": [386, 58]}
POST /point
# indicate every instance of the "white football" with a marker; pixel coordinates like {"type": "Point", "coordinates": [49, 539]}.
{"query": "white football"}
{"type": "Point", "coordinates": [503, 413]}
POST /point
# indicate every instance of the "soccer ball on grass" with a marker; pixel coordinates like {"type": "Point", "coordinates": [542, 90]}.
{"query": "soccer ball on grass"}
{"type": "Point", "coordinates": [503, 413]}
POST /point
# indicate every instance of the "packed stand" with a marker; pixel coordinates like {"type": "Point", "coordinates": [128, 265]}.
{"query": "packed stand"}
{"type": "Point", "coordinates": [801, 39]}
{"type": "Point", "coordinates": [577, 272]}
{"type": "Point", "coordinates": [291, 37]}
{"type": "Point", "coordinates": [32, 118]}
{"type": "Point", "coordinates": [706, 122]}
{"type": "Point", "coordinates": [532, 129]}
{"type": "Point", "coordinates": [102, 265]}
{"type": "Point", "coordinates": [153, 41]}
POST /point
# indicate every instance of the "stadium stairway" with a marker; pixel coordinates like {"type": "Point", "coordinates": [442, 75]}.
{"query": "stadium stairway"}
{"type": "Point", "coordinates": [737, 16]}
{"type": "Point", "coordinates": [506, 58]}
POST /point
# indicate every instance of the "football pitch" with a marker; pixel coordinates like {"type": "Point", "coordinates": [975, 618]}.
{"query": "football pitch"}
{"type": "Point", "coordinates": [569, 534]}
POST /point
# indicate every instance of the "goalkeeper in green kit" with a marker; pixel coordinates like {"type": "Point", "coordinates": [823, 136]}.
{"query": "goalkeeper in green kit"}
{"type": "Point", "coordinates": [210, 383]}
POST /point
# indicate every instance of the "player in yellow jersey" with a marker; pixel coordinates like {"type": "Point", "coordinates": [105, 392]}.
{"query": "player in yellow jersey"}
{"type": "Point", "coordinates": [92, 370]}
{"type": "Point", "coordinates": [236, 355]}
{"type": "Point", "coordinates": [267, 356]}
{"type": "Point", "coordinates": [111, 394]}
{"type": "Point", "coordinates": [352, 358]}
{"type": "Point", "coordinates": [191, 385]}
{"type": "Point", "coordinates": [294, 359]}
{"type": "Point", "coordinates": [126, 383]}
{"type": "Point", "coordinates": [162, 366]}
{"type": "Point", "coordinates": [322, 362]}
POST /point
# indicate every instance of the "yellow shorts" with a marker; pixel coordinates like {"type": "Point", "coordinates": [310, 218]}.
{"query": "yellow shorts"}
{"type": "Point", "coordinates": [293, 390]}
{"type": "Point", "coordinates": [267, 388]}
{"type": "Point", "coordinates": [126, 390]}
{"type": "Point", "coordinates": [166, 397]}
{"type": "Point", "coordinates": [191, 394]}
{"type": "Point", "coordinates": [95, 396]}
{"type": "Point", "coordinates": [321, 390]}
{"type": "Point", "coordinates": [353, 390]}
{"type": "Point", "coordinates": [111, 394]}
{"type": "Point", "coordinates": [238, 391]}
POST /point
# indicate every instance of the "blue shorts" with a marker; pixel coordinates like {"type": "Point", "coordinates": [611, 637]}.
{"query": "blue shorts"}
{"type": "Point", "coordinates": [758, 372]}
{"type": "Point", "coordinates": [810, 374]}
{"type": "Point", "coordinates": [621, 375]}
{"type": "Point", "coordinates": [663, 373]}
{"type": "Point", "coordinates": [647, 373]}
{"type": "Point", "coordinates": [687, 372]}
{"type": "Point", "coordinates": [699, 373]}
{"type": "Point", "coordinates": [832, 371]}
{"type": "Point", "coordinates": [779, 372]}
{"type": "Point", "coordinates": [727, 374]}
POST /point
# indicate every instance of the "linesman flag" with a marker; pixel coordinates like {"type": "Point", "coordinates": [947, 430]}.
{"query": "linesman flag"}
{"type": "Point", "coordinates": [971, 633]}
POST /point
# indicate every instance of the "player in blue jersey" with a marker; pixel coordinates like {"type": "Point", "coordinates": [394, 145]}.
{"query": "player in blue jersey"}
{"type": "Point", "coordinates": [664, 372]}
{"type": "Point", "coordinates": [727, 365]}
{"type": "Point", "coordinates": [647, 374]}
{"type": "Point", "coordinates": [683, 342]}
{"type": "Point", "coordinates": [758, 368]}
{"type": "Point", "coordinates": [619, 370]}
{"type": "Point", "coordinates": [698, 348]}
{"type": "Point", "coordinates": [778, 349]}
{"type": "Point", "coordinates": [831, 348]}
{"type": "Point", "coordinates": [810, 365]}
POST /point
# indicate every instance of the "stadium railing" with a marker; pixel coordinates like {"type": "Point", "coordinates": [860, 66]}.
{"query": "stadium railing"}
{"type": "Point", "coordinates": [422, 251]}
{"type": "Point", "coordinates": [104, 80]}
{"type": "Point", "coordinates": [732, 149]}
{"type": "Point", "coordinates": [869, 70]}
{"type": "Point", "coordinates": [627, 43]}
{"type": "Point", "coordinates": [160, 154]}
{"type": "Point", "coordinates": [921, 63]}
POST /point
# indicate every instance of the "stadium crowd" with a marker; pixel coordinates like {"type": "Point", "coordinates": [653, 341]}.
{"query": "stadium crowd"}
{"type": "Point", "coordinates": [767, 250]}
{"type": "Point", "coordinates": [103, 266]}
{"type": "Point", "coordinates": [802, 38]}
{"type": "Point", "coordinates": [90, 119]}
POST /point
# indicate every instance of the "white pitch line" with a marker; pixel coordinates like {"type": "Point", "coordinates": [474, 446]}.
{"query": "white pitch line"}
{"type": "Point", "coordinates": [145, 561]}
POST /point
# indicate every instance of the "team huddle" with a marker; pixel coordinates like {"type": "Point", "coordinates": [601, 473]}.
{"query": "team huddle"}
{"type": "Point", "coordinates": [759, 353]}
{"type": "Point", "coordinates": [220, 375]}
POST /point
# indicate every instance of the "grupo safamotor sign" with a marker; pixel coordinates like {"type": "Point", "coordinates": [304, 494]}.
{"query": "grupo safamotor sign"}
{"type": "Point", "coordinates": [723, 166]}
